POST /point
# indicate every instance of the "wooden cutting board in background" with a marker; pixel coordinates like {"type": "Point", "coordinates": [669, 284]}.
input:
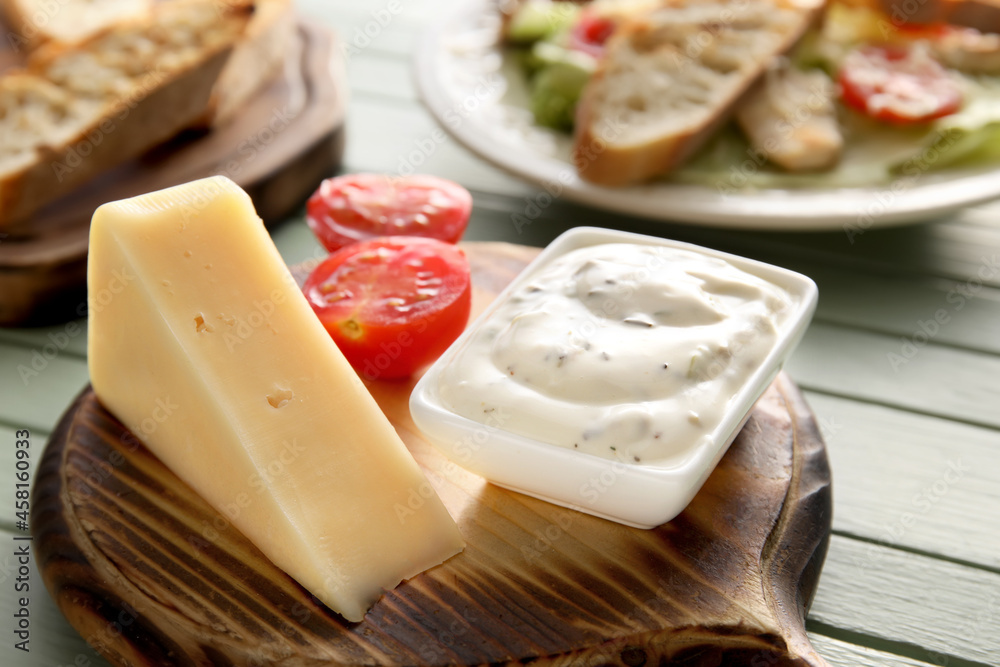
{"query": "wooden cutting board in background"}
{"type": "Point", "coordinates": [288, 138]}
{"type": "Point", "coordinates": [151, 575]}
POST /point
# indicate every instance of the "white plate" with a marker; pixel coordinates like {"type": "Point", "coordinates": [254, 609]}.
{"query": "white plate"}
{"type": "Point", "coordinates": [640, 495]}
{"type": "Point", "coordinates": [479, 99]}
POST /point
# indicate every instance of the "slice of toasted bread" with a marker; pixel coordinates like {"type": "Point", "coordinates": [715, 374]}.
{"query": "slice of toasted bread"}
{"type": "Point", "coordinates": [35, 22]}
{"type": "Point", "coordinates": [81, 109]}
{"type": "Point", "coordinates": [670, 77]}
{"type": "Point", "coordinates": [256, 58]}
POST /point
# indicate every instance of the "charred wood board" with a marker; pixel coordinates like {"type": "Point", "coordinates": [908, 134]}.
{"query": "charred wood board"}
{"type": "Point", "coordinates": [151, 575]}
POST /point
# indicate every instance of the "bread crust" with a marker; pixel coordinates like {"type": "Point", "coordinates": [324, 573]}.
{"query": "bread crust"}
{"type": "Point", "coordinates": [35, 23]}
{"type": "Point", "coordinates": [255, 60]}
{"type": "Point", "coordinates": [600, 161]}
{"type": "Point", "coordinates": [599, 155]}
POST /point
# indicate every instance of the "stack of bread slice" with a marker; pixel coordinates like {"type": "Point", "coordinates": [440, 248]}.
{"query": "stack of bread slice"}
{"type": "Point", "coordinates": [672, 75]}
{"type": "Point", "coordinates": [122, 83]}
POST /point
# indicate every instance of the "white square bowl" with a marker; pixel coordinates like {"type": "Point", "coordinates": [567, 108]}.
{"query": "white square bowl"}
{"type": "Point", "coordinates": [640, 495]}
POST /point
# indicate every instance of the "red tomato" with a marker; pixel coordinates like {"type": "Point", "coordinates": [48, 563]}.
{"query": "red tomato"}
{"type": "Point", "coordinates": [392, 304]}
{"type": "Point", "coordinates": [923, 30]}
{"type": "Point", "coordinates": [355, 207]}
{"type": "Point", "coordinates": [898, 85]}
{"type": "Point", "coordinates": [590, 33]}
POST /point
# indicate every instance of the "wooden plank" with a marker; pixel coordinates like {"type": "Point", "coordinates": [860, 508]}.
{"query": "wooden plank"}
{"type": "Point", "coordinates": [845, 654]}
{"type": "Point", "coordinates": [911, 605]}
{"type": "Point", "coordinates": [381, 75]}
{"type": "Point", "coordinates": [410, 15]}
{"type": "Point", "coordinates": [984, 215]}
{"type": "Point", "coordinates": [941, 381]}
{"type": "Point", "coordinates": [948, 312]}
{"type": "Point", "coordinates": [912, 481]}
{"type": "Point", "coordinates": [390, 27]}
{"type": "Point", "coordinates": [296, 243]}
{"type": "Point", "coordinates": [405, 139]}
{"type": "Point", "coordinates": [970, 248]}
{"type": "Point", "coordinates": [36, 390]}
{"type": "Point", "coordinates": [938, 248]}
{"type": "Point", "coordinates": [69, 338]}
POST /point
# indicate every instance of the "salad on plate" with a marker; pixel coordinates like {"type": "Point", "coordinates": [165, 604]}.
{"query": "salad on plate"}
{"type": "Point", "coordinates": [762, 93]}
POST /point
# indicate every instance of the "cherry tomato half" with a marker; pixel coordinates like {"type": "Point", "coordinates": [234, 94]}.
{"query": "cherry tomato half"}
{"type": "Point", "coordinates": [590, 33]}
{"type": "Point", "coordinates": [898, 85]}
{"type": "Point", "coordinates": [392, 304]}
{"type": "Point", "coordinates": [355, 207]}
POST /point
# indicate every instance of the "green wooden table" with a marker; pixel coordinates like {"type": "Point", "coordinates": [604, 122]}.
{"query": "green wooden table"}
{"type": "Point", "coordinates": [913, 572]}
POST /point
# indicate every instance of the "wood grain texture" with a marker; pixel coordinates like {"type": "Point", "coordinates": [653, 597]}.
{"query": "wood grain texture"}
{"type": "Point", "coordinates": [149, 574]}
{"type": "Point", "coordinates": [287, 139]}
{"type": "Point", "coordinates": [943, 381]}
{"type": "Point", "coordinates": [910, 604]}
{"type": "Point", "coordinates": [899, 485]}
{"type": "Point", "coordinates": [843, 653]}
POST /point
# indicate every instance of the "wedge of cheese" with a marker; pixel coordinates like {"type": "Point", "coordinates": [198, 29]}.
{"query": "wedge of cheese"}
{"type": "Point", "coordinates": [202, 344]}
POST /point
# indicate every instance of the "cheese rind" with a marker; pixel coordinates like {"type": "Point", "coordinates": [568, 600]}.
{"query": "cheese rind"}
{"type": "Point", "coordinates": [202, 344]}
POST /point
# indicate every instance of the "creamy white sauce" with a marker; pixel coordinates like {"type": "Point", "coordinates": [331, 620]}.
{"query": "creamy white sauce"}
{"type": "Point", "coordinates": [630, 352]}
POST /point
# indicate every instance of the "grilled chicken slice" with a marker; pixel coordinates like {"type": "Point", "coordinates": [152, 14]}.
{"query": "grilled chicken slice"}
{"type": "Point", "coordinates": [790, 117]}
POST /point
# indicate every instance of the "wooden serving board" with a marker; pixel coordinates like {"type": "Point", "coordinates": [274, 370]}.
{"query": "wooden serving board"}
{"type": "Point", "coordinates": [150, 575]}
{"type": "Point", "coordinates": [289, 137]}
